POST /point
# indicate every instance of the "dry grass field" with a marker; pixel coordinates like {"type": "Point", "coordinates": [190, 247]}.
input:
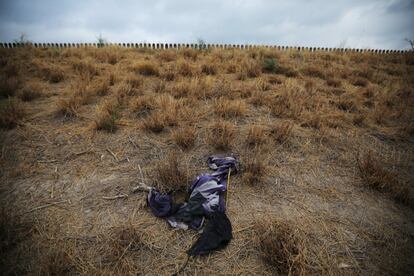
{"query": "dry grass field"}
{"type": "Point", "coordinates": [325, 142]}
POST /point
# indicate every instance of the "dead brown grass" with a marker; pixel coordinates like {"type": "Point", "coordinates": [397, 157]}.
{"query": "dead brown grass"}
{"type": "Point", "coordinates": [155, 122]}
{"type": "Point", "coordinates": [281, 245]}
{"type": "Point", "coordinates": [85, 68]}
{"type": "Point", "coordinates": [254, 169]}
{"type": "Point", "coordinates": [160, 86]}
{"type": "Point", "coordinates": [182, 88]}
{"type": "Point", "coordinates": [68, 107]}
{"type": "Point", "coordinates": [222, 134]}
{"type": "Point", "coordinates": [107, 115]}
{"type": "Point", "coordinates": [358, 81]}
{"type": "Point", "coordinates": [100, 87]}
{"type": "Point", "coordinates": [249, 69]}
{"type": "Point", "coordinates": [262, 84]}
{"type": "Point", "coordinates": [377, 177]}
{"type": "Point", "coordinates": [287, 105]}
{"type": "Point", "coordinates": [184, 68]}
{"type": "Point", "coordinates": [167, 55]}
{"type": "Point", "coordinates": [286, 71]}
{"type": "Point", "coordinates": [11, 113]}
{"type": "Point", "coordinates": [109, 55]}
{"type": "Point", "coordinates": [146, 68]}
{"type": "Point", "coordinates": [53, 73]}
{"type": "Point", "coordinates": [313, 71]}
{"type": "Point", "coordinates": [230, 108]}
{"type": "Point", "coordinates": [334, 82]}
{"type": "Point", "coordinates": [168, 109]}
{"type": "Point", "coordinates": [209, 68]}
{"type": "Point", "coordinates": [123, 90]}
{"type": "Point", "coordinates": [56, 262]}
{"type": "Point", "coordinates": [258, 98]}
{"type": "Point", "coordinates": [296, 137]}
{"type": "Point", "coordinates": [134, 81]}
{"type": "Point", "coordinates": [281, 132]}
{"type": "Point", "coordinates": [13, 231]}
{"type": "Point", "coordinates": [169, 73]}
{"type": "Point", "coordinates": [189, 53]}
{"type": "Point", "coordinates": [143, 105]}
{"type": "Point", "coordinates": [123, 238]}
{"type": "Point", "coordinates": [8, 86]}
{"type": "Point", "coordinates": [31, 92]}
{"type": "Point", "coordinates": [81, 93]}
{"type": "Point", "coordinates": [171, 174]}
{"type": "Point", "coordinates": [257, 135]}
{"type": "Point", "coordinates": [185, 137]}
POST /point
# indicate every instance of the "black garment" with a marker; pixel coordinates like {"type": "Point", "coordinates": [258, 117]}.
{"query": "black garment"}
{"type": "Point", "coordinates": [191, 211]}
{"type": "Point", "coordinates": [216, 235]}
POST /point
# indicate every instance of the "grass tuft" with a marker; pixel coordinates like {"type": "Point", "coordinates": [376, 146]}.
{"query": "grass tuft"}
{"type": "Point", "coordinates": [257, 135]}
{"type": "Point", "coordinates": [68, 107]}
{"type": "Point", "coordinates": [107, 116]}
{"type": "Point", "coordinates": [185, 137]}
{"type": "Point", "coordinates": [8, 86]}
{"type": "Point", "coordinates": [281, 246]}
{"type": "Point", "coordinates": [134, 81]}
{"type": "Point", "coordinates": [171, 174]}
{"type": "Point", "coordinates": [378, 178]}
{"type": "Point", "coordinates": [254, 168]}
{"type": "Point", "coordinates": [146, 68]}
{"type": "Point", "coordinates": [230, 108]}
{"type": "Point", "coordinates": [85, 68]}
{"type": "Point", "coordinates": [30, 92]}
{"type": "Point", "coordinates": [222, 134]}
{"type": "Point", "coordinates": [101, 87]}
{"type": "Point", "coordinates": [313, 71]}
{"type": "Point", "coordinates": [11, 113]}
{"type": "Point", "coordinates": [155, 122]}
{"type": "Point", "coordinates": [184, 68]}
{"type": "Point", "coordinates": [209, 68]}
{"type": "Point", "coordinates": [281, 132]}
{"type": "Point", "coordinates": [360, 82]}
{"type": "Point", "coordinates": [124, 238]}
{"type": "Point", "coordinates": [143, 105]}
{"type": "Point", "coordinates": [53, 73]}
{"type": "Point", "coordinates": [269, 65]}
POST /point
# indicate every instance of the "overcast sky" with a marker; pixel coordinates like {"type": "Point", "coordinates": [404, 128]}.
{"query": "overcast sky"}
{"type": "Point", "coordinates": [329, 23]}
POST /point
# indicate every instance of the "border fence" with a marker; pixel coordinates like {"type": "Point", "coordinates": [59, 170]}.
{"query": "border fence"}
{"type": "Point", "coordinates": [197, 46]}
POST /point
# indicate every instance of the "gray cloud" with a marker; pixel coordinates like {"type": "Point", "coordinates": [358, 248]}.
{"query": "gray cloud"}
{"type": "Point", "coordinates": [367, 24]}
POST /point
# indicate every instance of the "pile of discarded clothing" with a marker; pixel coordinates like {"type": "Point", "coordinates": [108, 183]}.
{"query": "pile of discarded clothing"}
{"type": "Point", "coordinates": [206, 201]}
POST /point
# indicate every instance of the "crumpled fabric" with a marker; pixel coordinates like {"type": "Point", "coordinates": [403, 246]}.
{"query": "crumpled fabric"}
{"type": "Point", "coordinates": [206, 196]}
{"type": "Point", "coordinates": [216, 235]}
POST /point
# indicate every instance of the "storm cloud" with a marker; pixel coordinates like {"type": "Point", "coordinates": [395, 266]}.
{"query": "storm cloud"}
{"type": "Point", "coordinates": [360, 24]}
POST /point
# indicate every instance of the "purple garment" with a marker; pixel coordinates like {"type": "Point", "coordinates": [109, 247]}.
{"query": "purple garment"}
{"type": "Point", "coordinates": [221, 166]}
{"type": "Point", "coordinates": [161, 205]}
{"type": "Point", "coordinates": [206, 196]}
